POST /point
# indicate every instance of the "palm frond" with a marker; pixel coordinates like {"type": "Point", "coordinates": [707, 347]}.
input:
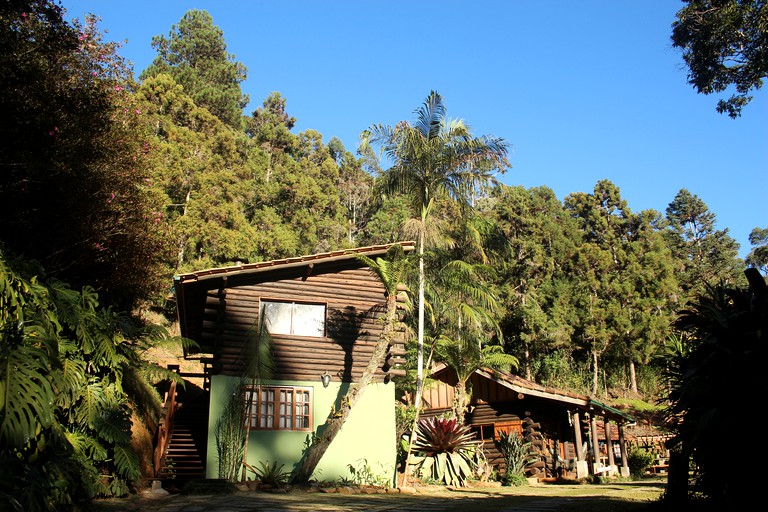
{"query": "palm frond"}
{"type": "Point", "coordinates": [495, 358]}
{"type": "Point", "coordinates": [430, 116]}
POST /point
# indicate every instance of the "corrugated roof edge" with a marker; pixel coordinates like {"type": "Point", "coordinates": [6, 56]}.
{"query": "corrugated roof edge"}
{"type": "Point", "coordinates": [298, 260]}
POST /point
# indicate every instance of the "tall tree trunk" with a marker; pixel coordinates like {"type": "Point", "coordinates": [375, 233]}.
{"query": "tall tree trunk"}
{"type": "Point", "coordinates": [420, 335]}
{"type": "Point", "coordinates": [632, 377]}
{"type": "Point", "coordinates": [460, 401]}
{"type": "Point", "coordinates": [527, 356]}
{"type": "Point", "coordinates": [337, 418]}
{"type": "Point", "coordinates": [419, 356]}
{"type": "Point", "coordinates": [180, 257]}
{"type": "Point", "coordinates": [595, 373]}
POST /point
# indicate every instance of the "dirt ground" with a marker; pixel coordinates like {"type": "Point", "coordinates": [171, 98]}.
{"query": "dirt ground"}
{"type": "Point", "coordinates": [619, 496]}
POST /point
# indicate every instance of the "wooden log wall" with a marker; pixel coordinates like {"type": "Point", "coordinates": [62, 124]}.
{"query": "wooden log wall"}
{"type": "Point", "coordinates": [539, 422]}
{"type": "Point", "coordinates": [355, 308]}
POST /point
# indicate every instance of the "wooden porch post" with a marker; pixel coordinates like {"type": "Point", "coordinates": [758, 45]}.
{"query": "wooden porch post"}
{"type": "Point", "coordinates": [582, 468]}
{"type": "Point", "coordinates": [623, 447]}
{"type": "Point", "coordinates": [609, 444]}
{"type": "Point", "coordinates": [577, 436]}
{"type": "Point", "coordinates": [595, 443]}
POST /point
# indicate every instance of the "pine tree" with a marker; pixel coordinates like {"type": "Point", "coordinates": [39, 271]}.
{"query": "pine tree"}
{"type": "Point", "coordinates": [195, 55]}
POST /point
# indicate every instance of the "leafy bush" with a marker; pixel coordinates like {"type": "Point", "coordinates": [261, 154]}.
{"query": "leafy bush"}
{"type": "Point", "coordinates": [363, 474]}
{"type": "Point", "coordinates": [270, 474]}
{"type": "Point", "coordinates": [518, 454]}
{"type": "Point", "coordinates": [73, 381]}
{"type": "Point", "coordinates": [639, 459]}
{"type": "Point", "coordinates": [404, 418]}
{"type": "Point", "coordinates": [446, 450]}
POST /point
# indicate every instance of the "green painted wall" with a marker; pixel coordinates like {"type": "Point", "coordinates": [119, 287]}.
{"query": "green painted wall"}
{"type": "Point", "coordinates": [367, 438]}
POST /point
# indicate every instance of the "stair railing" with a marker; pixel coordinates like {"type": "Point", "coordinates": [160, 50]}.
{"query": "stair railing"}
{"type": "Point", "coordinates": [165, 429]}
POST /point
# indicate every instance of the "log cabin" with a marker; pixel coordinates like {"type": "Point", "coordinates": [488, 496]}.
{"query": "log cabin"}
{"type": "Point", "coordinates": [324, 315]}
{"type": "Point", "coordinates": [567, 430]}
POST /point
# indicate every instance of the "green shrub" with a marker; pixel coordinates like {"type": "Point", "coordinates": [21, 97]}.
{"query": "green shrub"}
{"type": "Point", "coordinates": [639, 459]}
{"type": "Point", "coordinates": [363, 474]}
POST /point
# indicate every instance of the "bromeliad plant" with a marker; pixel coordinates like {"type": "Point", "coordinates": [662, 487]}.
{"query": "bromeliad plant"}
{"type": "Point", "coordinates": [445, 451]}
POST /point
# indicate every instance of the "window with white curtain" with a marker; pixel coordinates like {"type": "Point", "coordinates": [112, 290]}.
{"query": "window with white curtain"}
{"type": "Point", "coordinates": [294, 318]}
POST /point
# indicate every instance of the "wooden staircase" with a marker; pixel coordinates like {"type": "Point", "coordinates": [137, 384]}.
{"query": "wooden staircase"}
{"type": "Point", "coordinates": [185, 453]}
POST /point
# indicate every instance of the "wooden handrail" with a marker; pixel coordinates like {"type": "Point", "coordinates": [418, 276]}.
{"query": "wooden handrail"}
{"type": "Point", "coordinates": [164, 429]}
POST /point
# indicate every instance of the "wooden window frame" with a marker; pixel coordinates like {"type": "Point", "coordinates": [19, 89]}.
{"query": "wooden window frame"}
{"type": "Point", "coordinates": [507, 427]}
{"type": "Point", "coordinates": [481, 429]}
{"type": "Point", "coordinates": [324, 305]}
{"type": "Point", "coordinates": [284, 414]}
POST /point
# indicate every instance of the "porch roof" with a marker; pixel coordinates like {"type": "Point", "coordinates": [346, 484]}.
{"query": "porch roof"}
{"type": "Point", "coordinates": [572, 401]}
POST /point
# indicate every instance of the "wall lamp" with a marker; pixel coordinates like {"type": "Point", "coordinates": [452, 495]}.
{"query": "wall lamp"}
{"type": "Point", "coordinates": [326, 379]}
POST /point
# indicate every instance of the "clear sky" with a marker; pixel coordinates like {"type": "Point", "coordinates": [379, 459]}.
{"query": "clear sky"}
{"type": "Point", "coordinates": [582, 90]}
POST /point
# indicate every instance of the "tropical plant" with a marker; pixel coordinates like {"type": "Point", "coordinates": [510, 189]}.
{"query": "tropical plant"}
{"type": "Point", "coordinates": [269, 474]}
{"type": "Point", "coordinates": [72, 382]}
{"type": "Point", "coordinates": [445, 451]}
{"type": "Point", "coordinates": [464, 309]}
{"type": "Point", "coordinates": [256, 366]}
{"type": "Point", "coordinates": [725, 337]}
{"type": "Point", "coordinates": [232, 428]}
{"type": "Point", "coordinates": [518, 454]}
{"type": "Point", "coordinates": [435, 159]}
{"type": "Point", "coordinates": [230, 435]}
{"type": "Point", "coordinates": [465, 355]}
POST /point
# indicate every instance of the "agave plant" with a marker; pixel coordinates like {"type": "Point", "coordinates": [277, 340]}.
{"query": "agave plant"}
{"type": "Point", "coordinates": [518, 454]}
{"type": "Point", "coordinates": [445, 450]}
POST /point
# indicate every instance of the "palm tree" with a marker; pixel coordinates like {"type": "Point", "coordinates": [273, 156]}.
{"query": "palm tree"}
{"type": "Point", "coordinates": [433, 159]}
{"type": "Point", "coordinates": [465, 355]}
{"type": "Point", "coordinates": [464, 312]}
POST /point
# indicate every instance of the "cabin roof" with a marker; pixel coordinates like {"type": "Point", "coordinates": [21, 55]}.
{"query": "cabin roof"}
{"type": "Point", "coordinates": [191, 288]}
{"type": "Point", "coordinates": [527, 387]}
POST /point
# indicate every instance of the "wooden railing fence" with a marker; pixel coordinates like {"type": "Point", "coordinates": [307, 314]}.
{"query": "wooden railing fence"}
{"type": "Point", "coordinates": [164, 429]}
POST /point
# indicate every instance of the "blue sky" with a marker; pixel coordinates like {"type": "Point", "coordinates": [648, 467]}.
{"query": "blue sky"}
{"type": "Point", "coordinates": [582, 91]}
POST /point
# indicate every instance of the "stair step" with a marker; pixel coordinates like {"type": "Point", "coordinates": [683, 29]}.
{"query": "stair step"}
{"type": "Point", "coordinates": [185, 454]}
